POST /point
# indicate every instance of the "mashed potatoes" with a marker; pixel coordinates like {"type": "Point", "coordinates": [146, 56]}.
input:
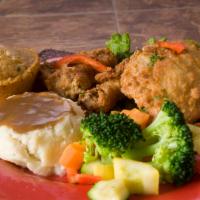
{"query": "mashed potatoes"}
{"type": "Point", "coordinates": [39, 148]}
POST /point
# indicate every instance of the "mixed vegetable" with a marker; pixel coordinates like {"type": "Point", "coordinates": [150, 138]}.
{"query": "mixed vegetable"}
{"type": "Point", "coordinates": [120, 156]}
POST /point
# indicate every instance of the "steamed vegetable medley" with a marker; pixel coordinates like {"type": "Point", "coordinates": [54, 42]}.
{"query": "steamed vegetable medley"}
{"type": "Point", "coordinates": [121, 158]}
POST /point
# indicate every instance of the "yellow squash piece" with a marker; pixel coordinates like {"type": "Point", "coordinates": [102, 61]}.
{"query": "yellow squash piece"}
{"type": "Point", "coordinates": [97, 168]}
{"type": "Point", "coordinates": [140, 177]}
{"type": "Point", "coordinates": [105, 171]}
{"type": "Point", "coordinates": [109, 190]}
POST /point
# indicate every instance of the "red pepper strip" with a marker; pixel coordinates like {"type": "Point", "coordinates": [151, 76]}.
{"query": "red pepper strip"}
{"type": "Point", "coordinates": [72, 156]}
{"type": "Point", "coordinates": [78, 58]}
{"type": "Point", "coordinates": [83, 179]}
{"type": "Point", "coordinates": [178, 47]}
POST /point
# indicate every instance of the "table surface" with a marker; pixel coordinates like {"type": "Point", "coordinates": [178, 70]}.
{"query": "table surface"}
{"type": "Point", "coordinates": [85, 24]}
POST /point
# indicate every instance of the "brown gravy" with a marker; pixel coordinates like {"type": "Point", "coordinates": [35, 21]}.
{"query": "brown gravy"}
{"type": "Point", "coordinates": [32, 111]}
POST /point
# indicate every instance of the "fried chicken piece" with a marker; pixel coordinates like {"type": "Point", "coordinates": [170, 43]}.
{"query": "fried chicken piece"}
{"type": "Point", "coordinates": [113, 74]}
{"type": "Point", "coordinates": [102, 97]}
{"type": "Point", "coordinates": [155, 73]}
{"type": "Point", "coordinates": [69, 81]}
{"type": "Point", "coordinates": [106, 94]}
{"type": "Point", "coordinates": [72, 80]}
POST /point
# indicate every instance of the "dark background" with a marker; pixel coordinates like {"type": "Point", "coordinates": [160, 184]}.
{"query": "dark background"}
{"type": "Point", "coordinates": [84, 24]}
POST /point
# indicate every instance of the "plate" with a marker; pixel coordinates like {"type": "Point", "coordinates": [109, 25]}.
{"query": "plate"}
{"type": "Point", "coordinates": [19, 184]}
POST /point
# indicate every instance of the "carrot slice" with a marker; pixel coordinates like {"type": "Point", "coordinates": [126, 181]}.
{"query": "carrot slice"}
{"type": "Point", "coordinates": [78, 58]}
{"type": "Point", "coordinates": [141, 118]}
{"type": "Point", "coordinates": [87, 179]}
{"type": "Point", "coordinates": [72, 156]}
{"type": "Point", "coordinates": [178, 47]}
{"type": "Point", "coordinates": [83, 179]}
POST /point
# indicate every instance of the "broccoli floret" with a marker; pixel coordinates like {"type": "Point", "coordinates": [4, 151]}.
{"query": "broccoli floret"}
{"type": "Point", "coordinates": [169, 142]}
{"type": "Point", "coordinates": [108, 136]}
{"type": "Point", "coordinates": [120, 45]}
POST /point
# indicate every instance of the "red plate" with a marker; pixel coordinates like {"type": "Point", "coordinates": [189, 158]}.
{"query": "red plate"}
{"type": "Point", "coordinates": [18, 184]}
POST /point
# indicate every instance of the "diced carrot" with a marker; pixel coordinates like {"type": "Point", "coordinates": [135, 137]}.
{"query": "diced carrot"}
{"type": "Point", "coordinates": [178, 47]}
{"type": "Point", "coordinates": [71, 175]}
{"type": "Point", "coordinates": [87, 179]}
{"type": "Point", "coordinates": [141, 118]}
{"type": "Point", "coordinates": [72, 156]}
{"type": "Point", "coordinates": [71, 172]}
{"type": "Point", "coordinates": [78, 58]}
{"type": "Point", "coordinates": [83, 179]}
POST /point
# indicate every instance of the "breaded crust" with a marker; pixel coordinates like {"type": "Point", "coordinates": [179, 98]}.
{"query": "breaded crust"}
{"type": "Point", "coordinates": [174, 76]}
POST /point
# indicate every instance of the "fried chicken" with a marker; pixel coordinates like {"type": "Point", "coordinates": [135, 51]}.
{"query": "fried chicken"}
{"type": "Point", "coordinates": [102, 97]}
{"type": "Point", "coordinates": [72, 80]}
{"type": "Point", "coordinates": [107, 93]}
{"type": "Point", "coordinates": [69, 82]}
{"type": "Point", "coordinates": [155, 73]}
